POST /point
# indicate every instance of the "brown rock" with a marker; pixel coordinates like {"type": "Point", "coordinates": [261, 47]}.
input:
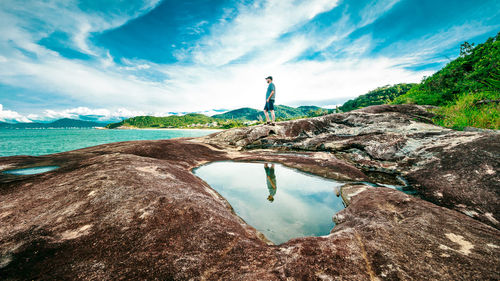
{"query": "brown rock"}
{"type": "Point", "coordinates": [348, 191]}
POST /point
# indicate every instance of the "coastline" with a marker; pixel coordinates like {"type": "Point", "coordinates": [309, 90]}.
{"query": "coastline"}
{"type": "Point", "coordinates": [162, 129]}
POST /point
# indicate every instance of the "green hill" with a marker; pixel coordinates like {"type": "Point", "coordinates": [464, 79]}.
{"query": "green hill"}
{"type": "Point", "coordinates": [68, 123]}
{"type": "Point", "coordinates": [282, 112]}
{"type": "Point", "coordinates": [381, 95]}
{"type": "Point", "coordinates": [467, 88]}
{"type": "Point", "coordinates": [288, 112]}
{"type": "Point", "coordinates": [61, 123]}
{"type": "Point", "coordinates": [245, 113]}
{"type": "Point", "coordinates": [163, 122]}
{"type": "Point", "coordinates": [308, 108]}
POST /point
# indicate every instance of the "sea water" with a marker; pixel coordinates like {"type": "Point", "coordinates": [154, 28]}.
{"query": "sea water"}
{"type": "Point", "coordinates": [48, 141]}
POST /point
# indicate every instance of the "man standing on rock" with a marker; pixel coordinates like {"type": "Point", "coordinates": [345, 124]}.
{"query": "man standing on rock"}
{"type": "Point", "coordinates": [270, 95]}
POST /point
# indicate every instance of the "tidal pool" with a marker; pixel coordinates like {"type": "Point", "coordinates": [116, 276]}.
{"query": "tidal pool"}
{"type": "Point", "coordinates": [280, 202]}
{"type": "Point", "coordinates": [31, 171]}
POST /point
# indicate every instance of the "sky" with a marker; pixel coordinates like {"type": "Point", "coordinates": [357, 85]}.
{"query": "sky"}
{"type": "Point", "coordinates": [106, 60]}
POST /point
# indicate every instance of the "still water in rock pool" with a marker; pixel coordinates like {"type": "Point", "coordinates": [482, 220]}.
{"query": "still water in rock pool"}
{"type": "Point", "coordinates": [31, 171]}
{"type": "Point", "coordinates": [280, 202]}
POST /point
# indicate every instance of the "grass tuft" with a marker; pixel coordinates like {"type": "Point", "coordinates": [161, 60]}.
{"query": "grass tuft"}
{"type": "Point", "coordinates": [465, 112]}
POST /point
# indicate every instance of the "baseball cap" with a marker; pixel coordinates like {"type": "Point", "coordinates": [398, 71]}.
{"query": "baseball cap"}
{"type": "Point", "coordinates": [269, 77]}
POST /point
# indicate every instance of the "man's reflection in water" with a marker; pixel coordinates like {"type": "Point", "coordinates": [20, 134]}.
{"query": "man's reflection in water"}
{"type": "Point", "coordinates": [271, 181]}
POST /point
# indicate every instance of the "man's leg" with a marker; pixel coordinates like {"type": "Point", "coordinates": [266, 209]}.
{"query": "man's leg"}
{"type": "Point", "coordinates": [267, 115]}
{"type": "Point", "coordinates": [273, 116]}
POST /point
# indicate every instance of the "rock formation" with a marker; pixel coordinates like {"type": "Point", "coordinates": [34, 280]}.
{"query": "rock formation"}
{"type": "Point", "coordinates": [134, 210]}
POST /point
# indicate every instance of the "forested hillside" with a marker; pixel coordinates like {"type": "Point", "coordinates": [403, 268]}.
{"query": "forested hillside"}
{"type": "Point", "coordinates": [382, 95]}
{"type": "Point", "coordinates": [245, 113]}
{"type": "Point", "coordinates": [282, 112]}
{"type": "Point", "coordinates": [61, 123]}
{"type": "Point", "coordinates": [163, 122]}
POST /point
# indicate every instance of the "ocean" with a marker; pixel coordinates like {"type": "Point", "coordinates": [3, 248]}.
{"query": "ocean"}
{"type": "Point", "coordinates": [48, 141]}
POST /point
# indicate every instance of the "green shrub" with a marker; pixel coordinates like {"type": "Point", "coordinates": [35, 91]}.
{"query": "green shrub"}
{"type": "Point", "coordinates": [466, 112]}
{"type": "Point", "coordinates": [381, 95]}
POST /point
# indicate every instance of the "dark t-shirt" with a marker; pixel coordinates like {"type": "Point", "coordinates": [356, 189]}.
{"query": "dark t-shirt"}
{"type": "Point", "coordinates": [271, 88]}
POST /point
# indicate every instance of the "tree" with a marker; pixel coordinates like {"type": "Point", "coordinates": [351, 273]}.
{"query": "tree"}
{"type": "Point", "coordinates": [466, 49]}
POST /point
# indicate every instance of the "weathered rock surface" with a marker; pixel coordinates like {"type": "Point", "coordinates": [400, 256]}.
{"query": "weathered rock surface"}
{"type": "Point", "coordinates": [133, 210]}
{"type": "Point", "coordinates": [348, 191]}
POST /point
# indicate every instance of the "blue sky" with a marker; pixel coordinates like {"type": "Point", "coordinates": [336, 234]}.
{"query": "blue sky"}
{"type": "Point", "coordinates": [110, 59]}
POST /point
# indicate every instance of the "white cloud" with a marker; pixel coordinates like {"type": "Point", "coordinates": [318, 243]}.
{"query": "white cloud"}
{"type": "Point", "coordinates": [45, 17]}
{"type": "Point", "coordinates": [100, 114]}
{"type": "Point", "coordinates": [88, 84]}
{"type": "Point", "coordinates": [135, 66]}
{"type": "Point", "coordinates": [197, 28]}
{"type": "Point", "coordinates": [429, 45]}
{"type": "Point", "coordinates": [255, 28]}
{"type": "Point", "coordinates": [11, 116]}
{"type": "Point", "coordinates": [374, 9]}
{"type": "Point", "coordinates": [80, 38]}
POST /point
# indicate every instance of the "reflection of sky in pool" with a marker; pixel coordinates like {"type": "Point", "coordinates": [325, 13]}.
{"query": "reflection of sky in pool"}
{"type": "Point", "coordinates": [31, 171]}
{"type": "Point", "coordinates": [303, 204]}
